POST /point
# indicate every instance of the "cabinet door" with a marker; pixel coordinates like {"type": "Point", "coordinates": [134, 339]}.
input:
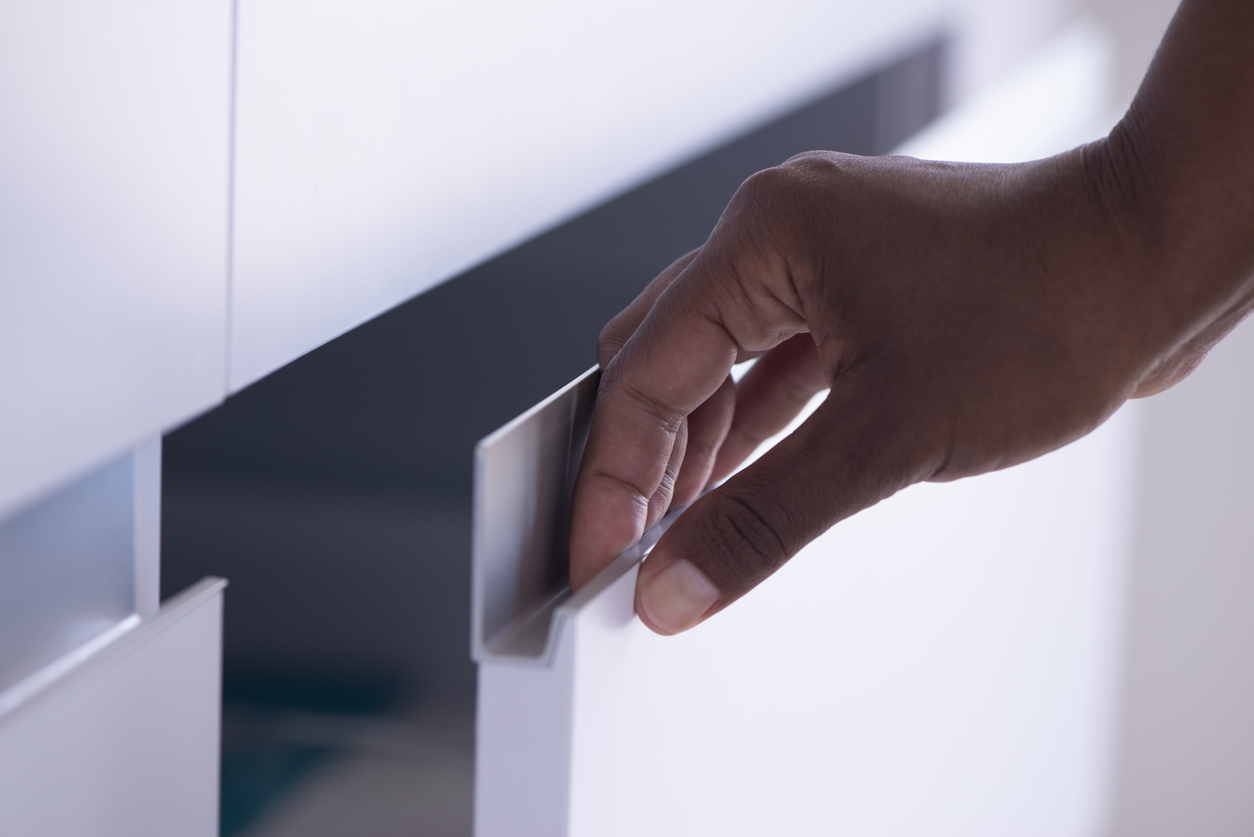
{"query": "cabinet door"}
{"type": "Point", "coordinates": [955, 646]}
{"type": "Point", "coordinates": [120, 737]}
{"type": "Point", "coordinates": [113, 228]}
{"type": "Point", "coordinates": [943, 663]}
{"type": "Point", "coordinates": [384, 147]}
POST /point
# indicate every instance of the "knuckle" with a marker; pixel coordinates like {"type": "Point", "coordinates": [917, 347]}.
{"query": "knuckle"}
{"type": "Point", "coordinates": [813, 162]}
{"type": "Point", "coordinates": [612, 332]}
{"type": "Point", "coordinates": [748, 544]}
{"type": "Point", "coordinates": [767, 193]}
{"type": "Point", "coordinates": [657, 412]}
{"type": "Point", "coordinates": [610, 342]}
{"type": "Point", "coordinates": [700, 455]}
{"type": "Point", "coordinates": [634, 493]}
{"type": "Point", "coordinates": [790, 190]}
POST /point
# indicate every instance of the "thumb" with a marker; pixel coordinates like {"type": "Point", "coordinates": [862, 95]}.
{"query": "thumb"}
{"type": "Point", "coordinates": [845, 457]}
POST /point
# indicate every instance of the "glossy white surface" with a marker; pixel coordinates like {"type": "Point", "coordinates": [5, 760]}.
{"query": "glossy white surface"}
{"type": "Point", "coordinates": [1188, 728]}
{"type": "Point", "coordinates": [146, 514]}
{"type": "Point", "coordinates": [113, 222]}
{"type": "Point", "coordinates": [956, 646]}
{"type": "Point", "coordinates": [124, 742]}
{"type": "Point", "coordinates": [67, 570]}
{"type": "Point", "coordinates": [383, 147]}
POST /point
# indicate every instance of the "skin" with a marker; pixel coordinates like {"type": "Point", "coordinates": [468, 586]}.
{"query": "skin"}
{"type": "Point", "coordinates": [965, 318]}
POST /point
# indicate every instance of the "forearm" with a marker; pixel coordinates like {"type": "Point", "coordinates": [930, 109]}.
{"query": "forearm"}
{"type": "Point", "coordinates": [1181, 164]}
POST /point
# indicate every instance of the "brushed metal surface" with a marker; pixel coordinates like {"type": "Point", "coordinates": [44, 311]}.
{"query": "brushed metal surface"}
{"type": "Point", "coordinates": [524, 474]}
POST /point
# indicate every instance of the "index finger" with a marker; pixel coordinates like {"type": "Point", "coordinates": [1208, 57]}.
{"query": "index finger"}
{"type": "Point", "coordinates": [678, 357]}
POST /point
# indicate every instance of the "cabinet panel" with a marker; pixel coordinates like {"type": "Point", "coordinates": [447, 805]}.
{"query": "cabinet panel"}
{"type": "Point", "coordinates": [78, 564]}
{"type": "Point", "coordinates": [956, 646]}
{"type": "Point", "coordinates": [67, 570]}
{"type": "Point", "coordinates": [1187, 742]}
{"type": "Point", "coordinates": [113, 228]}
{"type": "Point", "coordinates": [384, 146]}
{"type": "Point", "coordinates": [125, 742]}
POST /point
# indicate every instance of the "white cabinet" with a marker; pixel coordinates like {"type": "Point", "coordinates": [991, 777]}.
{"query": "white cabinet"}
{"type": "Point", "coordinates": [383, 147]}
{"type": "Point", "coordinates": [122, 741]}
{"type": "Point", "coordinates": [1187, 732]}
{"type": "Point", "coordinates": [79, 565]}
{"type": "Point", "coordinates": [67, 571]}
{"type": "Point", "coordinates": [956, 646]}
{"type": "Point", "coordinates": [114, 139]}
{"type": "Point", "coordinates": [945, 664]}
{"type": "Point", "coordinates": [109, 704]}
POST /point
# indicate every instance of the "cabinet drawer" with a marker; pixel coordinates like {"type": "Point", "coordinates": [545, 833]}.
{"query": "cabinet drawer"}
{"type": "Point", "coordinates": [122, 741]}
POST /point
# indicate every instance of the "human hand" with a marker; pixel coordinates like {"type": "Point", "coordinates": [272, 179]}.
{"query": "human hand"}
{"type": "Point", "coordinates": [965, 317]}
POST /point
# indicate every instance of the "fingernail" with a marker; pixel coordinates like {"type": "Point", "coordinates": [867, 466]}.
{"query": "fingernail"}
{"type": "Point", "coordinates": [677, 597]}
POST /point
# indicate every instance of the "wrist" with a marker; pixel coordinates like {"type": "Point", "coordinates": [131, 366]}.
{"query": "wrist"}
{"type": "Point", "coordinates": [1181, 264]}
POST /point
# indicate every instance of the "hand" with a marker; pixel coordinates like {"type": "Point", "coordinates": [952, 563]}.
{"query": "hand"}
{"type": "Point", "coordinates": [965, 317]}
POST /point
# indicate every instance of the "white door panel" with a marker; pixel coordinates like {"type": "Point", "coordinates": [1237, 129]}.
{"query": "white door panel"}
{"type": "Point", "coordinates": [113, 225]}
{"type": "Point", "coordinates": [956, 646]}
{"type": "Point", "coordinates": [1188, 730]}
{"type": "Point", "coordinates": [121, 740]}
{"type": "Point", "coordinates": [68, 570]}
{"type": "Point", "coordinates": [384, 147]}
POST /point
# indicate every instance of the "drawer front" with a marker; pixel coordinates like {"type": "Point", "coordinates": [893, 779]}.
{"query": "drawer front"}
{"type": "Point", "coordinates": [123, 743]}
{"type": "Point", "coordinates": [113, 228]}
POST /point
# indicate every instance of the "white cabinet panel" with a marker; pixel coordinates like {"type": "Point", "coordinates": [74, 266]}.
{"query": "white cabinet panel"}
{"type": "Point", "coordinates": [113, 228]}
{"type": "Point", "coordinates": [76, 564]}
{"type": "Point", "coordinates": [123, 743]}
{"type": "Point", "coordinates": [945, 663]}
{"type": "Point", "coordinates": [1188, 730]}
{"type": "Point", "coordinates": [957, 646]}
{"type": "Point", "coordinates": [385, 146]}
{"type": "Point", "coordinates": [67, 570]}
